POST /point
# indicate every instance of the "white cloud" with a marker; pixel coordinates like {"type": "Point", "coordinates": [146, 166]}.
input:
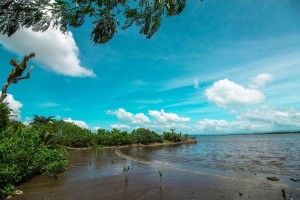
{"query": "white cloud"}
{"type": "Point", "coordinates": [217, 126]}
{"type": "Point", "coordinates": [79, 123]}
{"type": "Point", "coordinates": [278, 119]}
{"type": "Point", "coordinates": [208, 124]}
{"type": "Point", "coordinates": [48, 104]}
{"type": "Point", "coordinates": [196, 83]}
{"type": "Point", "coordinates": [57, 117]}
{"type": "Point", "coordinates": [259, 120]}
{"type": "Point", "coordinates": [55, 51]}
{"type": "Point", "coordinates": [120, 126]}
{"type": "Point", "coordinates": [154, 101]}
{"type": "Point", "coordinates": [163, 117]}
{"type": "Point", "coordinates": [179, 127]}
{"type": "Point", "coordinates": [261, 80]}
{"type": "Point", "coordinates": [95, 129]}
{"type": "Point", "coordinates": [14, 105]}
{"type": "Point", "coordinates": [163, 121]}
{"type": "Point", "coordinates": [122, 114]}
{"type": "Point", "coordinates": [27, 121]}
{"type": "Point", "coordinates": [226, 93]}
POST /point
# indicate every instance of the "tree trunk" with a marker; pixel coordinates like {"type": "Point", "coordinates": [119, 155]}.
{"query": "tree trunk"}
{"type": "Point", "coordinates": [4, 92]}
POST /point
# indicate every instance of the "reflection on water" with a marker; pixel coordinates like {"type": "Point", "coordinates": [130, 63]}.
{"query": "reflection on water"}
{"type": "Point", "coordinates": [276, 154]}
{"type": "Point", "coordinates": [92, 164]}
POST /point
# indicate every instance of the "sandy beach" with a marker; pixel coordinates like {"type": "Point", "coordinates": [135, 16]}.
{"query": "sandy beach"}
{"type": "Point", "coordinates": [97, 174]}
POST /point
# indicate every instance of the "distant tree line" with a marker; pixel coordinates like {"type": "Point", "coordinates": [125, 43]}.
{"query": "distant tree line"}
{"type": "Point", "coordinates": [68, 134]}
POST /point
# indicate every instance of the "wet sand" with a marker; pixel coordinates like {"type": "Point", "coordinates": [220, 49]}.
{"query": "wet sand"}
{"type": "Point", "coordinates": [97, 174]}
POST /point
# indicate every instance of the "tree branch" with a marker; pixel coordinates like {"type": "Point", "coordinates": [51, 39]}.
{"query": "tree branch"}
{"type": "Point", "coordinates": [25, 77]}
{"type": "Point", "coordinates": [16, 74]}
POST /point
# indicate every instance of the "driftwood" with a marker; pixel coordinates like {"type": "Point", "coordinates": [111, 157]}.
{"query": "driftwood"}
{"type": "Point", "coordinates": [16, 74]}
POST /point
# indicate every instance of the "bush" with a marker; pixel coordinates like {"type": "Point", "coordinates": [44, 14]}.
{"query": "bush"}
{"type": "Point", "coordinates": [4, 116]}
{"type": "Point", "coordinates": [64, 133]}
{"type": "Point", "coordinates": [145, 136]}
{"type": "Point", "coordinates": [172, 137]}
{"type": "Point", "coordinates": [22, 155]}
{"type": "Point", "coordinates": [113, 137]}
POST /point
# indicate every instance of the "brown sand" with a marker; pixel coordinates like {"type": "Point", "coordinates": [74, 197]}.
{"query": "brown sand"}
{"type": "Point", "coordinates": [86, 178]}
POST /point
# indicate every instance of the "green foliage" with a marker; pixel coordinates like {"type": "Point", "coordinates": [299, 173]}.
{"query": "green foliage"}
{"type": "Point", "coordinates": [40, 14]}
{"type": "Point", "coordinates": [145, 136]}
{"type": "Point", "coordinates": [69, 134]}
{"type": "Point", "coordinates": [4, 116]}
{"type": "Point", "coordinates": [39, 121]}
{"type": "Point", "coordinates": [104, 137]}
{"type": "Point", "coordinates": [22, 155]}
{"type": "Point", "coordinates": [172, 137]}
{"type": "Point", "coordinates": [140, 136]}
{"type": "Point", "coordinates": [52, 161]}
{"type": "Point", "coordinates": [185, 137]}
{"type": "Point", "coordinates": [7, 190]}
{"type": "Point", "coordinates": [114, 137]}
{"type": "Point", "coordinates": [53, 133]}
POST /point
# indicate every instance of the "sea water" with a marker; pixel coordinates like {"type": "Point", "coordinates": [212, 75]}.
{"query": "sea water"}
{"type": "Point", "coordinates": [257, 154]}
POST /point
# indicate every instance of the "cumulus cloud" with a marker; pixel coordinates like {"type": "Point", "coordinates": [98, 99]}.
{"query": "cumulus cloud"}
{"type": "Point", "coordinates": [226, 93]}
{"type": "Point", "coordinates": [79, 123]}
{"type": "Point", "coordinates": [120, 126]}
{"type": "Point", "coordinates": [162, 121]}
{"type": "Point", "coordinates": [163, 117]}
{"type": "Point", "coordinates": [14, 105]}
{"type": "Point", "coordinates": [122, 114]}
{"type": "Point", "coordinates": [55, 51]}
{"type": "Point", "coordinates": [258, 120]}
{"type": "Point", "coordinates": [261, 80]}
{"type": "Point", "coordinates": [179, 127]}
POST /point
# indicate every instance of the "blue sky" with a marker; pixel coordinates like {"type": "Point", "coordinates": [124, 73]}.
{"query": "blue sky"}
{"type": "Point", "coordinates": [219, 67]}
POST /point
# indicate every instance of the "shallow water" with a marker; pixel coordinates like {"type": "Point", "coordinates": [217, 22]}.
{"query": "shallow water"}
{"type": "Point", "coordinates": [97, 174]}
{"type": "Point", "coordinates": [268, 154]}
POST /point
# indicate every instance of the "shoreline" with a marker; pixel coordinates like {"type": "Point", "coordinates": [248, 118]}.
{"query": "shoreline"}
{"type": "Point", "coordinates": [188, 141]}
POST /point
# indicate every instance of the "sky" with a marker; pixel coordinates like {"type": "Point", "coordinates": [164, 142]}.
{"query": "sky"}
{"type": "Point", "coordinates": [219, 67]}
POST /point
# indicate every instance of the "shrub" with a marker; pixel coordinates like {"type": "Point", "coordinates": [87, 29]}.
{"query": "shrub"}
{"type": "Point", "coordinates": [22, 155]}
{"type": "Point", "coordinates": [64, 133]}
{"type": "Point", "coordinates": [172, 137]}
{"type": "Point", "coordinates": [145, 136]}
{"type": "Point", "coordinates": [113, 137]}
{"type": "Point", "coordinates": [4, 116]}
